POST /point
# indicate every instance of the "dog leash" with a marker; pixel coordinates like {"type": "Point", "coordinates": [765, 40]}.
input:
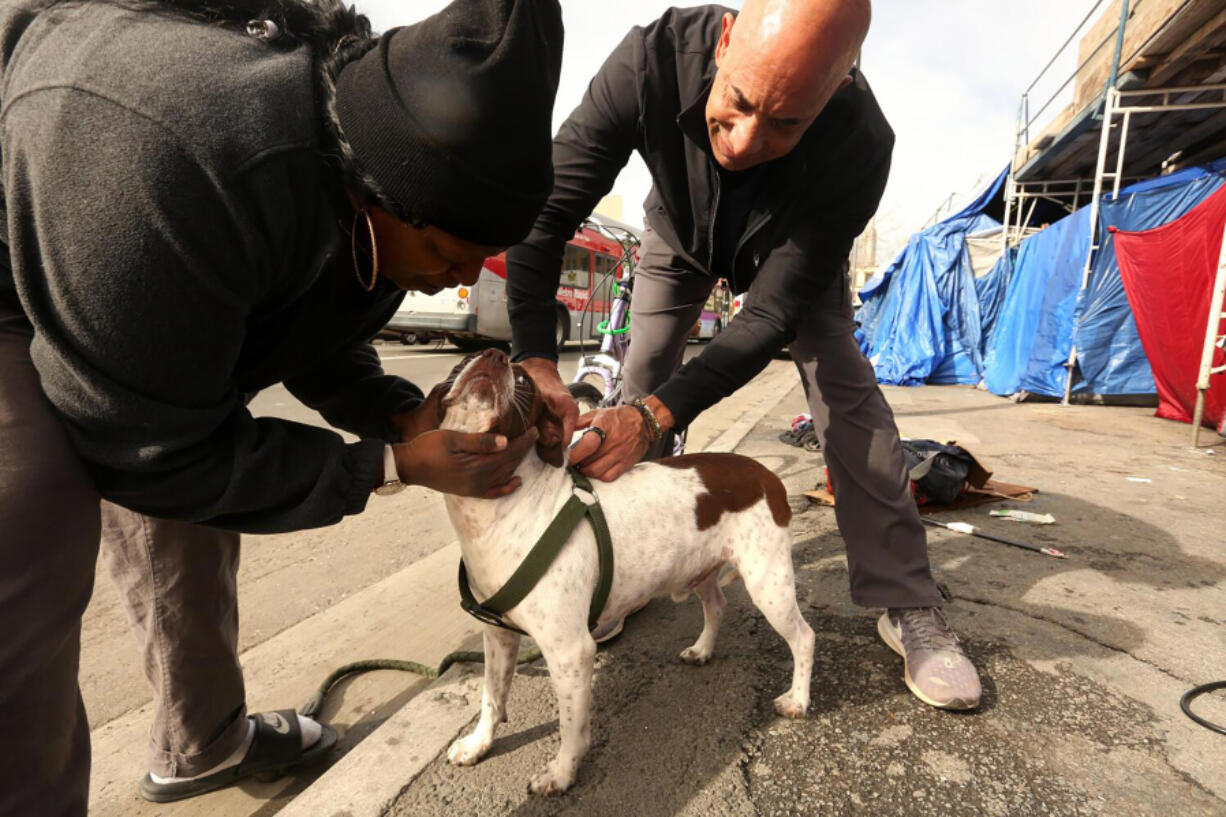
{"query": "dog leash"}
{"type": "Point", "coordinates": [583, 502]}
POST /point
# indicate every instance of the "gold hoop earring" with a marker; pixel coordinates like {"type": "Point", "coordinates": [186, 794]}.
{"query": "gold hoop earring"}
{"type": "Point", "coordinates": [374, 251]}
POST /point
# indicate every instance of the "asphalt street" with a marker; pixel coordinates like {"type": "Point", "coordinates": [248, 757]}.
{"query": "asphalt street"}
{"type": "Point", "coordinates": [1083, 660]}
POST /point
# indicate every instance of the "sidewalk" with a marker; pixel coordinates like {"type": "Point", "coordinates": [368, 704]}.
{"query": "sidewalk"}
{"type": "Point", "coordinates": [1083, 660]}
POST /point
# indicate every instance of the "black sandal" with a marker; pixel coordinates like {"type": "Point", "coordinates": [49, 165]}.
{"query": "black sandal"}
{"type": "Point", "coordinates": [275, 749]}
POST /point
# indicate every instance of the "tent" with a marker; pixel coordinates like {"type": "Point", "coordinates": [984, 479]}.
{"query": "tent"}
{"type": "Point", "coordinates": [935, 316]}
{"type": "Point", "coordinates": [1046, 312]}
{"type": "Point", "coordinates": [920, 321]}
{"type": "Point", "coordinates": [1029, 344]}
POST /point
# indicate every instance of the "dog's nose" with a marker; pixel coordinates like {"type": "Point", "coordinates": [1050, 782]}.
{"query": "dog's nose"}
{"type": "Point", "coordinates": [495, 356]}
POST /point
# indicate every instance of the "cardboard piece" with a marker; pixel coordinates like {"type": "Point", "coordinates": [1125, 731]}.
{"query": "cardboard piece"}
{"type": "Point", "coordinates": [990, 491]}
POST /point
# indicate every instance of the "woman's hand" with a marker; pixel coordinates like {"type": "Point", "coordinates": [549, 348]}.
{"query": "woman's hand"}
{"type": "Point", "coordinates": [453, 462]}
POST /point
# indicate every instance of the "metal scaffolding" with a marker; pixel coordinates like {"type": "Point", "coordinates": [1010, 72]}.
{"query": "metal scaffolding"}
{"type": "Point", "coordinates": [1064, 193]}
{"type": "Point", "coordinates": [1213, 340]}
{"type": "Point", "coordinates": [1120, 104]}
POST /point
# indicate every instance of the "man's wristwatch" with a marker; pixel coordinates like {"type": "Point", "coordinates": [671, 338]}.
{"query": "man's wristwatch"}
{"type": "Point", "coordinates": [391, 479]}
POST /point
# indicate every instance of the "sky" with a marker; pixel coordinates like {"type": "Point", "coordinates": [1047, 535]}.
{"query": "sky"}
{"type": "Point", "coordinates": [947, 73]}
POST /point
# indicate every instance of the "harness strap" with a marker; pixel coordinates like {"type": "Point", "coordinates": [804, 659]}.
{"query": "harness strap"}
{"type": "Point", "coordinates": [538, 560]}
{"type": "Point", "coordinates": [604, 549]}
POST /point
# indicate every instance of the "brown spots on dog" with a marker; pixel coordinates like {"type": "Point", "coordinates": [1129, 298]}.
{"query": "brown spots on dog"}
{"type": "Point", "coordinates": [734, 483]}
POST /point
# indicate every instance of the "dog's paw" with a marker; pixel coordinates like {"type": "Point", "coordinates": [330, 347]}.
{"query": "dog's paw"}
{"type": "Point", "coordinates": [788, 706]}
{"type": "Point", "coordinates": [695, 656]}
{"type": "Point", "coordinates": [467, 751]}
{"type": "Point", "coordinates": [549, 782]}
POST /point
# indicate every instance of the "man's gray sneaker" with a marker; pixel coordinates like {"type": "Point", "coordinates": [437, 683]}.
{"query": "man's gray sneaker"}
{"type": "Point", "coordinates": [937, 671]}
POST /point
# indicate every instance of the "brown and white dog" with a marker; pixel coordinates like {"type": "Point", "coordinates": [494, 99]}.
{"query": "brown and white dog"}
{"type": "Point", "coordinates": [674, 524]}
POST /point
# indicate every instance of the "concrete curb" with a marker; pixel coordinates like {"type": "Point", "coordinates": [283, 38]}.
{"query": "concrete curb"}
{"type": "Point", "coordinates": [287, 668]}
{"type": "Point", "coordinates": [368, 780]}
{"type": "Point", "coordinates": [776, 386]}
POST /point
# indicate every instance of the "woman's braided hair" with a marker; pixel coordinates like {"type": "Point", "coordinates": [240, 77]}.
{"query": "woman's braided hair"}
{"type": "Point", "coordinates": [335, 33]}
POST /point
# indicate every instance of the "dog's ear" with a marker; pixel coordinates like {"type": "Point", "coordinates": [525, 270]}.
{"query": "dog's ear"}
{"type": "Point", "coordinates": [549, 446]}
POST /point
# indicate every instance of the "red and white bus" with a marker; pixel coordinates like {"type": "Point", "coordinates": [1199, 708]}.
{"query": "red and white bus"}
{"type": "Point", "coordinates": [476, 316]}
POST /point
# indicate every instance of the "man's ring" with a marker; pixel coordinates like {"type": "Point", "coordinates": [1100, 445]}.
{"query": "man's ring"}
{"type": "Point", "coordinates": [598, 431]}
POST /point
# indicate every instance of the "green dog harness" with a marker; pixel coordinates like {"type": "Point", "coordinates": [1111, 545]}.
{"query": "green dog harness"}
{"type": "Point", "coordinates": [583, 502]}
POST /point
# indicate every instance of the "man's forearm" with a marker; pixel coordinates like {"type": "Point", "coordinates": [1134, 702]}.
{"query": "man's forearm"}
{"type": "Point", "coordinates": [591, 148]}
{"type": "Point", "coordinates": [533, 270]}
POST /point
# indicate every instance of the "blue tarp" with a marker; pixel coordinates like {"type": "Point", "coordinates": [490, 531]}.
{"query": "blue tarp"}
{"type": "Point", "coordinates": [1013, 338]}
{"type": "Point", "coordinates": [925, 318]}
{"type": "Point", "coordinates": [1053, 270]}
{"type": "Point", "coordinates": [920, 320]}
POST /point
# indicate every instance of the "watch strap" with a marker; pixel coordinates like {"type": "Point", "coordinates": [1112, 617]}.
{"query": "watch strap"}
{"type": "Point", "coordinates": [391, 477]}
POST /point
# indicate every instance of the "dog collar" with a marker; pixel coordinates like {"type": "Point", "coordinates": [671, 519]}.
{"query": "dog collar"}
{"type": "Point", "coordinates": [583, 502]}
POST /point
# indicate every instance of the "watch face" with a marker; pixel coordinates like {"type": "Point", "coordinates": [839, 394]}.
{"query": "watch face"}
{"type": "Point", "coordinates": [389, 488]}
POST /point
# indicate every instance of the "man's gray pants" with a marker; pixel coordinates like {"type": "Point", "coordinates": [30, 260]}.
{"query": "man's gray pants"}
{"type": "Point", "coordinates": [887, 551]}
{"type": "Point", "coordinates": [176, 579]}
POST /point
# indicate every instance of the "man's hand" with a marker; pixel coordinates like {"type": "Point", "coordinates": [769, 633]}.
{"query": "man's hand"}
{"type": "Point", "coordinates": [481, 465]}
{"type": "Point", "coordinates": [423, 417]}
{"type": "Point", "coordinates": [624, 444]}
{"type": "Point", "coordinates": [554, 393]}
{"type": "Point", "coordinates": [626, 439]}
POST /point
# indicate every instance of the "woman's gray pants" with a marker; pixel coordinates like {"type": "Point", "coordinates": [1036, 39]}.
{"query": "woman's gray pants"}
{"type": "Point", "coordinates": [887, 551]}
{"type": "Point", "coordinates": [176, 579]}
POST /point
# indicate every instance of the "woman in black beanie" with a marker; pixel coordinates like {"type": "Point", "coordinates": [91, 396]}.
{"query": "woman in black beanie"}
{"type": "Point", "coordinates": [203, 199]}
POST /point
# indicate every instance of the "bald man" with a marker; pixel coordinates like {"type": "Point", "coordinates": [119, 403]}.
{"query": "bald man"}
{"type": "Point", "coordinates": [768, 155]}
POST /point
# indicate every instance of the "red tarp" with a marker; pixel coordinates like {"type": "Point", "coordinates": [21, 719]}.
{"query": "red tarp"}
{"type": "Point", "coordinates": [1168, 275]}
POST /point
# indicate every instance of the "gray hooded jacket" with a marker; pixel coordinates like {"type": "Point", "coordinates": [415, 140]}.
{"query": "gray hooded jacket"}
{"type": "Point", "coordinates": [168, 221]}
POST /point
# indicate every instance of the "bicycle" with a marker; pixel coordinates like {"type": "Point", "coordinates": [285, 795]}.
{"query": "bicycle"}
{"type": "Point", "coordinates": [607, 363]}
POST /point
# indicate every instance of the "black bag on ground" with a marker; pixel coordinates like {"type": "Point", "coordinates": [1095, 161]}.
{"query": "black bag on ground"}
{"type": "Point", "coordinates": [938, 472]}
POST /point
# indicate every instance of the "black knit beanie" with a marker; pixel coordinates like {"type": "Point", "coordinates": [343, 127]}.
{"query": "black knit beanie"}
{"type": "Point", "coordinates": [452, 116]}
